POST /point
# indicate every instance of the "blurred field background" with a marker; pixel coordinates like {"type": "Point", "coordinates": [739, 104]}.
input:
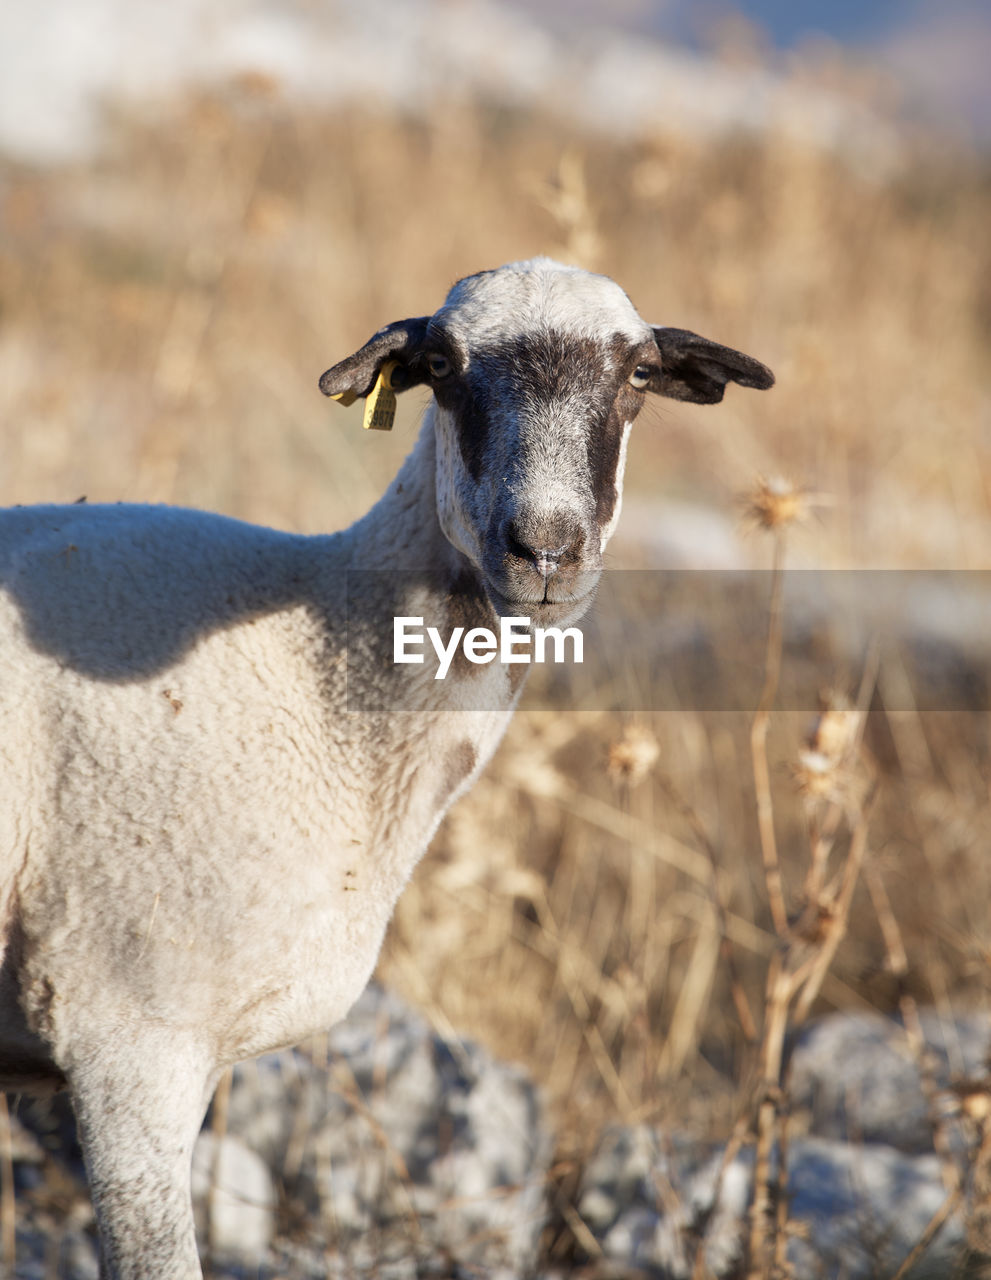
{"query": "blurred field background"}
{"type": "Point", "coordinates": [597, 908]}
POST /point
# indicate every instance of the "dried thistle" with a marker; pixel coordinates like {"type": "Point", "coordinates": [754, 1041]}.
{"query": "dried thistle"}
{"type": "Point", "coordinates": [972, 1098]}
{"type": "Point", "coordinates": [632, 756]}
{"type": "Point", "coordinates": [817, 776]}
{"type": "Point", "coordinates": [775, 502]}
{"type": "Point", "coordinates": [826, 767]}
{"type": "Point", "coordinates": [835, 731]}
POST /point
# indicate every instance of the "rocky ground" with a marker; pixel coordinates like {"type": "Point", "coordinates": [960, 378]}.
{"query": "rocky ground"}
{"type": "Point", "coordinates": [394, 1152]}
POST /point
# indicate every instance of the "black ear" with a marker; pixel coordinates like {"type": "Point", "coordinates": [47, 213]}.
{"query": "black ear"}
{"type": "Point", "coordinates": [693, 368]}
{"type": "Point", "coordinates": [402, 341]}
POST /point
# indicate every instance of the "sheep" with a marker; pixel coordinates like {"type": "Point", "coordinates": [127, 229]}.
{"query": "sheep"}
{"type": "Point", "coordinates": [215, 782]}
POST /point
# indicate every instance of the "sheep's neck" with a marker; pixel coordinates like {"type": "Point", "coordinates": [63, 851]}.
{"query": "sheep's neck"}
{"type": "Point", "coordinates": [423, 739]}
{"type": "Point", "coordinates": [401, 564]}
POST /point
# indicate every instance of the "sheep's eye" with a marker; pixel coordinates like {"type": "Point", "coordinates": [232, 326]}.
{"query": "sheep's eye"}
{"type": "Point", "coordinates": [640, 376]}
{"type": "Point", "coordinates": [439, 366]}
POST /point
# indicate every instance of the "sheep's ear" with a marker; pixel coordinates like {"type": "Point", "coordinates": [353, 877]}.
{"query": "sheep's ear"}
{"type": "Point", "coordinates": [696, 369]}
{"type": "Point", "coordinates": [402, 341]}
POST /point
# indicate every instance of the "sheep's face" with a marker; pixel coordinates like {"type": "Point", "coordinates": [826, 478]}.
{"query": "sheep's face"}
{"type": "Point", "coordinates": [538, 371]}
{"type": "Point", "coordinates": [538, 374]}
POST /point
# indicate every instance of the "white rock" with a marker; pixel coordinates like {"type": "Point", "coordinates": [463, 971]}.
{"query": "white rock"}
{"type": "Point", "coordinates": [861, 1208]}
{"type": "Point", "coordinates": [242, 1209]}
{"type": "Point", "coordinates": [856, 1077]}
{"type": "Point", "coordinates": [427, 1145]}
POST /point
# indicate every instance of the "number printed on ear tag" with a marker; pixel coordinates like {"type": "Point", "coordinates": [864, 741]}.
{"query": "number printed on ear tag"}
{"type": "Point", "coordinates": [380, 404]}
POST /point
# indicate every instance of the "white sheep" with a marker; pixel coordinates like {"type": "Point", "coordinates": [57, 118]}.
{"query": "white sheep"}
{"type": "Point", "coordinates": [215, 780]}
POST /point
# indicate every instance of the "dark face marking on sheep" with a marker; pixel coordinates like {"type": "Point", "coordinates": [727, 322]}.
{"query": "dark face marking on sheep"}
{"type": "Point", "coordinates": [592, 375]}
{"type": "Point", "coordinates": [605, 444]}
{"type": "Point", "coordinates": [469, 400]}
{"type": "Point", "coordinates": [539, 421]}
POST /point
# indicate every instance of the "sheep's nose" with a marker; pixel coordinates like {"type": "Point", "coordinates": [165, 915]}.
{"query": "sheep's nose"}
{"type": "Point", "coordinates": [543, 545]}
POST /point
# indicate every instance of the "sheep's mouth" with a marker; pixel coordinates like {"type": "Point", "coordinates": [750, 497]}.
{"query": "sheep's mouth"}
{"type": "Point", "coordinates": [561, 608]}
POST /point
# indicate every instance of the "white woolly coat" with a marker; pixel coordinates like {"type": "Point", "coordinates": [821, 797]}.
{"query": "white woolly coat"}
{"type": "Point", "coordinates": [182, 765]}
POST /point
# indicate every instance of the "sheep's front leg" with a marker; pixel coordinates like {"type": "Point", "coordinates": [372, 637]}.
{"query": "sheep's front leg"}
{"type": "Point", "coordinates": [139, 1110]}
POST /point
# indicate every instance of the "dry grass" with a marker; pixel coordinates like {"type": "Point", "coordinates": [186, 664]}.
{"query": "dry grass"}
{"type": "Point", "coordinates": [638, 906]}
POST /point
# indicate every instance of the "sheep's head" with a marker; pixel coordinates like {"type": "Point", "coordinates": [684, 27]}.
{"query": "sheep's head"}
{"type": "Point", "coordinates": [538, 371]}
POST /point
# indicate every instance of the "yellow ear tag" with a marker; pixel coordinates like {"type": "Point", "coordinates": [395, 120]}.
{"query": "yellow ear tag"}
{"type": "Point", "coordinates": [345, 397]}
{"type": "Point", "coordinates": [380, 404]}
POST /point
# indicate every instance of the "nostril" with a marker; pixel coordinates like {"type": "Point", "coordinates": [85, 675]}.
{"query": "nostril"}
{"type": "Point", "coordinates": [531, 547]}
{"type": "Point", "coordinates": [515, 544]}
